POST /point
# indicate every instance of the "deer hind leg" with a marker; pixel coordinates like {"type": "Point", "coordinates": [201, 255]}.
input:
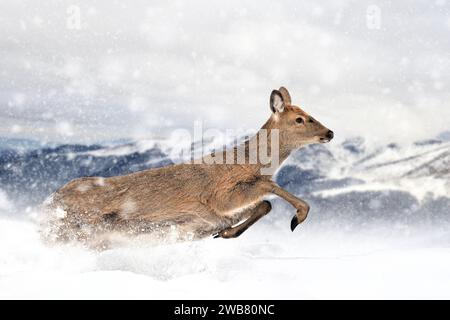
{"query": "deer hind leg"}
{"type": "Point", "coordinates": [255, 213]}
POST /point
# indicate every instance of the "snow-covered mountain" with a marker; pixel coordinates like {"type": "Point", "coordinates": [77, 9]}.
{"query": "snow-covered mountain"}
{"type": "Point", "coordinates": [343, 181]}
{"type": "Point", "coordinates": [353, 184]}
{"type": "Point", "coordinates": [29, 175]}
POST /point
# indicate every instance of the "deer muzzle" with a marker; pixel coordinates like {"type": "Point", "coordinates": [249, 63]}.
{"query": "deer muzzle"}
{"type": "Point", "coordinates": [328, 136]}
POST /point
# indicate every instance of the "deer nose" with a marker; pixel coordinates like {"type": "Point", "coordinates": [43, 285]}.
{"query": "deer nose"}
{"type": "Point", "coordinates": [330, 134]}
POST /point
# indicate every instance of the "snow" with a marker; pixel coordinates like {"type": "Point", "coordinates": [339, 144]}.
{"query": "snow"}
{"type": "Point", "coordinates": [267, 262]}
{"type": "Point", "coordinates": [420, 188]}
{"type": "Point", "coordinates": [145, 75]}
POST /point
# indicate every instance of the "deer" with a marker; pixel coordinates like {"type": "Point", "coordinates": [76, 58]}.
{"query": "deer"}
{"type": "Point", "coordinates": [197, 199]}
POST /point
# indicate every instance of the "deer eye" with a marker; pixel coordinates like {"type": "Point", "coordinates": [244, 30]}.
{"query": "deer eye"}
{"type": "Point", "coordinates": [311, 120]}
{"type": "Point", "coordinates": [299, 120]}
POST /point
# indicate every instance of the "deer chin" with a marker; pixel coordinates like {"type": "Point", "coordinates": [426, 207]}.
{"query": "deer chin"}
{"type": "Point", "coordinates": [324, 139]}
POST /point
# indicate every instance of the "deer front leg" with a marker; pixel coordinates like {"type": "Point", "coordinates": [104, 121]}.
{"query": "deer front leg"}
{"type": "Point", "coordinates": [256, 213]}
{"type": "Point", "coordinates": [301, 206]}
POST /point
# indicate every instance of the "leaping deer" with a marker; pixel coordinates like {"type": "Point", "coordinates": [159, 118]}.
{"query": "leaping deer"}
{"type": "Point", "coordinates": [200, 200]}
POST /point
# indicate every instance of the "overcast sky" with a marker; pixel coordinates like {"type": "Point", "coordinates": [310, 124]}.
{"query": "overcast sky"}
{"type": "Point", "coordinates": [139, 69]}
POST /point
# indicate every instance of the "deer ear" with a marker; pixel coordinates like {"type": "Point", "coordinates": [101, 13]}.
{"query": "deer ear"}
{"type": "Point", "coordinates": [276, 101]}
{"type": "Point", "coordinates": [286, 96]}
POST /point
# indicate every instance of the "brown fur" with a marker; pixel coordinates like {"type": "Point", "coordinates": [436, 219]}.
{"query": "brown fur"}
{"type": "Point", "coordinates": [196, 199]}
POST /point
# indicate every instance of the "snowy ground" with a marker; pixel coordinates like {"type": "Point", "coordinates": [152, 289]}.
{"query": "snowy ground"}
{"type": "Point", "coordinates": [268, 262]}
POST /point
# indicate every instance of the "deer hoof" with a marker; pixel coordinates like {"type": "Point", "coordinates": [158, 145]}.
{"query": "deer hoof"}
{"type": "Point", "coordinates": [222, 234]}
{"type": "Point", "coordinates": [227, 234]}
{"type": "Point", "coordinates": [299, 218]}
{"type": "Point", "coordinates": [294, 223]}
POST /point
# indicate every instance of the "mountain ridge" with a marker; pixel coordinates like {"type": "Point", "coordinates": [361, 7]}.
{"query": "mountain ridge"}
{"type": "Point", "coordinates": [350, 177]}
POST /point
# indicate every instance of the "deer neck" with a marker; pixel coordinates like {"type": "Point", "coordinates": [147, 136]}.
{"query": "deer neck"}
{"type": "Point", "coordinates": [266, 149]}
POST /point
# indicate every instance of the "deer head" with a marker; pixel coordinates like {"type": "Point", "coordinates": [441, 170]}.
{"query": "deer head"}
{"type": "Point", "coordinates": [296, 127]}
